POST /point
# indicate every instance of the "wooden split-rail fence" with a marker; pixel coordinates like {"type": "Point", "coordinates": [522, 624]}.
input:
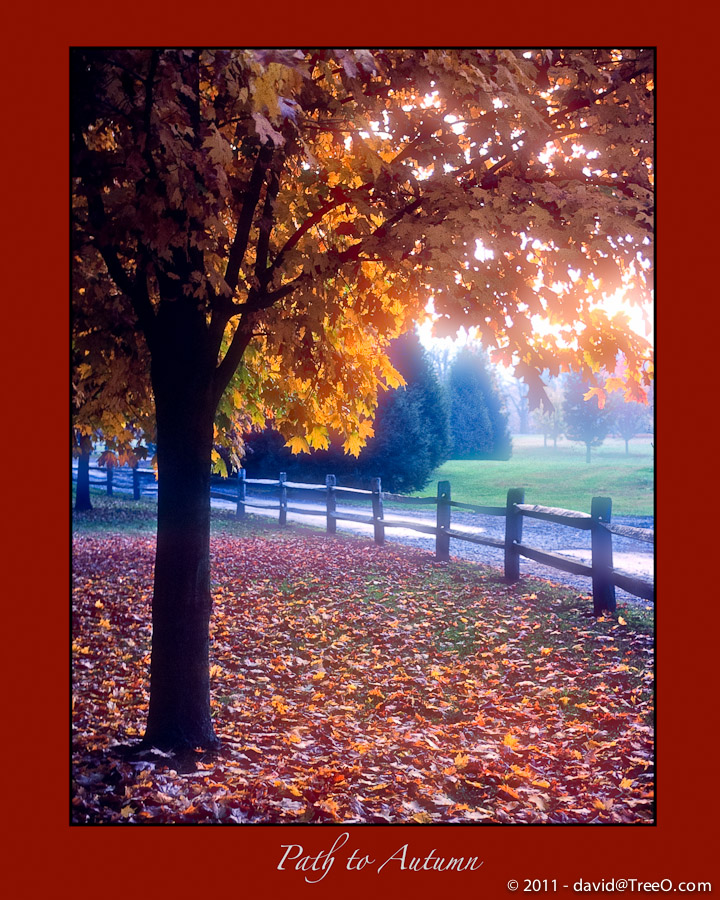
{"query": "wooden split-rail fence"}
{"type": "Point", "coordinates": [120, 477]}
{"type": "Point", "coordinates": [598, 522]}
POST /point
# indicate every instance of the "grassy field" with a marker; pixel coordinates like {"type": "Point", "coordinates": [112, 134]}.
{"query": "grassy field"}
{"type": "Point", "coordinates": [558, 476]}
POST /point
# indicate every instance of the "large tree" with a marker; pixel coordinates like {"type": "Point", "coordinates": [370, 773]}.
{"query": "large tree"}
{"type": "Point", "coordinates": [258, 225]}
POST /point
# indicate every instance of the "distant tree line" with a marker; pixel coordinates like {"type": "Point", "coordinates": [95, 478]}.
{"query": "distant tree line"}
{"type": "Point", "coordinates": [586, 421]}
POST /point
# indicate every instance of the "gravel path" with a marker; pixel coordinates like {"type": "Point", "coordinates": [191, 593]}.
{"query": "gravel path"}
{"type": "Point", "coordinates": [629, 556]}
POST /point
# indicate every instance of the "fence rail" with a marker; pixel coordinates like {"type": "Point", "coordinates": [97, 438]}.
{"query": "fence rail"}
{"type": "Point", "coordinates": [605, 578]}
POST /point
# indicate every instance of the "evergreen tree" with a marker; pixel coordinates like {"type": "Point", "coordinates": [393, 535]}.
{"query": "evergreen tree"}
{"type": "Point", "coordinates": [478, 420]}
{"type": "Point", "coordinates": [412, 434]}
{"type": "Point", "coordinates": [427, 393]}
{"type": "Point", "coordinates": [584, 420]}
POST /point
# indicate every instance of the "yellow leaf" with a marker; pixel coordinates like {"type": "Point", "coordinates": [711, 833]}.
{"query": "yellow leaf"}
{"type": "Point", "coordinates": [461, 760]}
{"type": "Point", "coordinates": [621, 621]}
{"type": "Point", "coordinates": [626, 783]}
{"type": "Point", "coordinates": [353, 444]}
{"type": "Point", "coordinates": [511, 741]}
{"type": "Point", "coordinates": [546, 651]}
{"type": "Point", "coordinates": [298, 444]}
{"type": "Point", "coordinates": [104, 623]}
{"type": "Point", "coordinates": [365, 429]}
{"type": "Point", "coordinates": [422, 817]}
{"type": "Point", "coordinates": [318, 438]}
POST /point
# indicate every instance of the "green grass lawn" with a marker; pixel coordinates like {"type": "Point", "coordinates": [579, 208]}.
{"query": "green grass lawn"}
{"type": "Point", "coordinates": [558, 476]}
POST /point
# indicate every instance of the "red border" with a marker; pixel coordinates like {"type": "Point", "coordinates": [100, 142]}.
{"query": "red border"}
{"type": "Point", "coordinates": [42, 850]}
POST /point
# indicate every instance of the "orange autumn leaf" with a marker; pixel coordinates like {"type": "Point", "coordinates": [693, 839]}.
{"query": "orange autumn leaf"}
{"type": "Point", "coordinates": [511, 791]}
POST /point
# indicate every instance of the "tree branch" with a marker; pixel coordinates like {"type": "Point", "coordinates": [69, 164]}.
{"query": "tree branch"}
{"type": "Point", "coordinates": [149, 85]}
{"type": "Point", "coordinates": [136, 290]}
{"type": "Point", "coordinates": [262, 273]}
{"type": "Point", "coordinates": [245, 219]}
{"type": "Point", "coordinates": [313, 219]}
{"type": "Point", "coordinates": [232, 359]}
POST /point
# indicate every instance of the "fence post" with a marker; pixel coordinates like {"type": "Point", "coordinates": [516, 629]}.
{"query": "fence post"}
{"type": "Point", "coordinates": [442, 522]}
{"type": "Point", "coordinates": [330, 502]}
{"type": "Point", "coordinates": [513, 534]}
{"type": "Point", "coordinates": [283, 498]}
{"type": "Point", "coordinates": [602, 557]}
{"type": "Point", "coordinates": [240, 508]}
{"type": "Point", "coordinates": [109, 481]}
{"type": "Point", "coordinates": [377, 508]}
{"type": "Point", "coordinates": [136, 482]}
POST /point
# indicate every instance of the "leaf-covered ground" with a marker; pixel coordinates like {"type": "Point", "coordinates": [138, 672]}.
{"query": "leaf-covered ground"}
{"type": "Point", "coordinates": [360, 684]}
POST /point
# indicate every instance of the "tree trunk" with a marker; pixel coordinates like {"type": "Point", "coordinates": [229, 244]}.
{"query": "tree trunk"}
{"type": "Point", "coordinates": [627, 447]}
{"type": "Point", "coordinates": [179, 712]}
{"type": "Point", "coordinates": [82, 491]}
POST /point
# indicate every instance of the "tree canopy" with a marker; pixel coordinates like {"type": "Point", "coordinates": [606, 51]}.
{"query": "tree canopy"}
{"type": "Point", "coordinates": [306, 204]}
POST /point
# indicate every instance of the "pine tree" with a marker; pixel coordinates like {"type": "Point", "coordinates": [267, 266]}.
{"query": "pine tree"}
{"type": "Point", "coordinates": [478, 420]}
